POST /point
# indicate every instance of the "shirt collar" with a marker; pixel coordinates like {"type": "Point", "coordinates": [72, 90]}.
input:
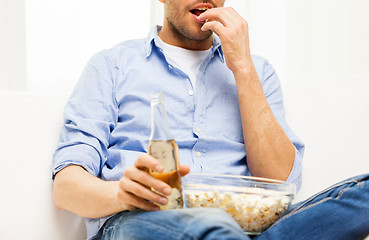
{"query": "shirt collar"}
{"type": "Point", "coordinates": [156, 29]}
{"type": "Point", "coordinates": [217, 47]}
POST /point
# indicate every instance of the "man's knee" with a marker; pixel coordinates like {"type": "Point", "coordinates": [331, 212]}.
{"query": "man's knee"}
{"type": "Point", "coordinates": [213, 216]}
{"type": "Point", "coordinates": [212, 223]}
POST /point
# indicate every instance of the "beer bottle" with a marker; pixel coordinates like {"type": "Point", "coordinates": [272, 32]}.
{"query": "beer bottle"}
{"type": "Point", "coordinates": [163, 147]}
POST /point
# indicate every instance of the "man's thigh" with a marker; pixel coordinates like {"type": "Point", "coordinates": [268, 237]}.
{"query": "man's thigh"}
{"type": "Point", "coordinates": [339, 212]}
{"type": "Point", "coordinates": [194, 223]}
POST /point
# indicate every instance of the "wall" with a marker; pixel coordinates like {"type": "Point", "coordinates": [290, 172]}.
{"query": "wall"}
{"type": "Point", "coordinates": [308, 42]}
{"type": "Point", "coordinates": [12, 45]}
{"type": "Point", "coordinates": [58, 31]}
{"type": "Point", "coordinates": [63, 35]}
{"type": "Point", "coordinates": [326, 88]}
{"type": "Point", "coordinates": [327, 41]}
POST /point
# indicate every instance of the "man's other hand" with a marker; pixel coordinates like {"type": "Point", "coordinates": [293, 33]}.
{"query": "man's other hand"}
{"type": "Point", "coordinates": [135, 186]}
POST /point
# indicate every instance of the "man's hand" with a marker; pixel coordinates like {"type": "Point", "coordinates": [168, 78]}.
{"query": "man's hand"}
{"type": "Point", "coordinates": [79, 192]}
{"type": "Point", "coordinates": [232, 30]}
{"type": "Point", "coordinates": [135, 186]}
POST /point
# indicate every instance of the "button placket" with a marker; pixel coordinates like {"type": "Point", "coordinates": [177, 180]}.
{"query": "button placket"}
{"type": "Point", "coordinates": [197, 130]}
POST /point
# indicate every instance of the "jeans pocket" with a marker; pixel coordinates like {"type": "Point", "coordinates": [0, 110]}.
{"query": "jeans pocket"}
{"type": "Point", "coordinates": [109, 227]}
{"type": "Point", "coordinates": [108, 232]}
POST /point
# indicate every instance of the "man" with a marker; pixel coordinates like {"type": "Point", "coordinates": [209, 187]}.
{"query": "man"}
{"type": "Point", "coordinates": [222, 103]}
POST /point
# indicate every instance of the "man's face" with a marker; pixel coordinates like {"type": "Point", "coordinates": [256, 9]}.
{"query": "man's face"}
{"type": "Point", "coordinates": [180, 16]}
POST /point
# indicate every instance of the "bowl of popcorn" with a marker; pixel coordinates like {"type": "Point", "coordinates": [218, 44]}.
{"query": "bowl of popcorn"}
{"type": "Point", "coordinates": [255, 203]}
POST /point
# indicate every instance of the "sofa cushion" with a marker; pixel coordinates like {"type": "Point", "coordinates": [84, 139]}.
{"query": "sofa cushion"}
{"type": "Point", "coordinates": [29, 127]}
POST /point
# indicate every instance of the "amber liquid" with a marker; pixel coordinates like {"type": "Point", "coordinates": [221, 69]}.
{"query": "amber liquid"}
{"type": "Point", "coordinates": [167, 153]}
{"type": "Point", "coordinates": [173, 179]}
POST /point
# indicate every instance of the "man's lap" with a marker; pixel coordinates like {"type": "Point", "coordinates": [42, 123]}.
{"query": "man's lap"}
{"type": "Point", "coordinates": [187, 223]}
{"type": "Point", "coordinates": [339, 212]}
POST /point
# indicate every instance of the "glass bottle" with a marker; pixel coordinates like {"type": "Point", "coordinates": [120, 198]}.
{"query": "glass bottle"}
{"type": "Point", "coordinates": [163, 147]}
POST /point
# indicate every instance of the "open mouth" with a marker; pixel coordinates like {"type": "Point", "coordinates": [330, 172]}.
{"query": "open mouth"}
{"type": "Point", "coordinates": [198, 11]}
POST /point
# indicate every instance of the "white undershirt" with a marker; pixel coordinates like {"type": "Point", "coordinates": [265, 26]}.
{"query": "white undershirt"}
{"type": "Point", "coordinates": [186, 60]}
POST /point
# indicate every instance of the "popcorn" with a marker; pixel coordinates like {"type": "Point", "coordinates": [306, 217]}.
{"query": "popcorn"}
{"type": "Point", "coordinates": [255, 209]}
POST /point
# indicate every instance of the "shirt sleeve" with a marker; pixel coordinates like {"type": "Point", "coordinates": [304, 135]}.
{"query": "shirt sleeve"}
{"type": "Point", "coordinates": [89, 116]}
{"type": "Point", "coordinates": [274, 96]}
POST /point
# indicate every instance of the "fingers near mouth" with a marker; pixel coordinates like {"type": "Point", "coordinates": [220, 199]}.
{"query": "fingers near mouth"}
{"type": "Point", "coordinates": [197, 10]}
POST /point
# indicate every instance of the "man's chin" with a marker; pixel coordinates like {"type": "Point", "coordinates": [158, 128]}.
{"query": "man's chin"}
{"type": "Point", "coordinates": [193, 33]}
{"type": "Point", "coordinates": [200, 35]}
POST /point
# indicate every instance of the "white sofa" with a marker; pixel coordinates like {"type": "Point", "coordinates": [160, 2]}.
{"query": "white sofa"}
{"type": "Point", "coordinates": [29, 128]}
{"type": "Point", "coordinates": [332, 121]}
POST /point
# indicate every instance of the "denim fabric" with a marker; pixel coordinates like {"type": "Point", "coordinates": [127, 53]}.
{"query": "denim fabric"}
{"type": "Point", "coordinates": [194, 223]}
{"type": "Point", "coordinates": [339, 212]}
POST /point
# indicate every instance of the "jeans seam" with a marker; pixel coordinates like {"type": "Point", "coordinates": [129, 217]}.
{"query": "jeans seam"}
{"type": "Point", "coordinates": [302, 208]}
{"type": "Point", "coordinates": [323, 191]}
{"type": "Point", "coordinates": [106, 229]}
{"type": "Point", "coordinates": [186, 235]}
{"type": "Point", "coordinates": [342, 192]}
{"type": "Point", "coordinates": [109, 227]}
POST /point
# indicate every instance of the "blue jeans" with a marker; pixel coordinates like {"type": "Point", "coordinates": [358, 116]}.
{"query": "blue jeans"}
{"type": "Point", "coordinates": [339, 212]}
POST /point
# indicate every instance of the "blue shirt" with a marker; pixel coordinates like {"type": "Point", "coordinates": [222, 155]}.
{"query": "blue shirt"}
{"type": "Point", "coordinates": [107, 118]}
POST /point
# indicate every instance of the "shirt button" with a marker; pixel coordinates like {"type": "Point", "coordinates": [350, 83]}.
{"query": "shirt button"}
{"type": "Point", "coordinates": [198, 154]}
{"type": "Point", "coordinates": [198, 129]}
{"type": "Point", "coordinates": [190, 92]}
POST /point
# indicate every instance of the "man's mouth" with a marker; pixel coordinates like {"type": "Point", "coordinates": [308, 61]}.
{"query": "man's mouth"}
{"type": "Point", "coordinates": [200, 8]}
{"type": "Point", "coordinates": [198, 11]}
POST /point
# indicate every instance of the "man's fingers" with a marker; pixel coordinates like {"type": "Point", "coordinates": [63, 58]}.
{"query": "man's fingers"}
{"type": "Point", "coordinates": [214, 26]}
{"type": "Point", "coordinates": [145, 179]}
{"type": "Point", "coordinates": [184, 170]}
{"type": "Point", "coordinates": [147, 161]}
{"type": "Point", "coordinates": [221, 15]}
{"type": "Point", "coordinates": [133, 202]}
{"type": "Point", "coordinates": [141, 192]}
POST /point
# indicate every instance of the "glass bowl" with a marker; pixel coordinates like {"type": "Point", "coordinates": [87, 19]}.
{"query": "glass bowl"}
{"type": "Point", "coordinates": [255, 203]}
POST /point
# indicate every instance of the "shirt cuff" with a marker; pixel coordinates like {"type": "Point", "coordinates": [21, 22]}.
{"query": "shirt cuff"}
{"type": "Point", "coordinates": [296, 172]}
{"type": "Point", "coordinates": [82, 155]}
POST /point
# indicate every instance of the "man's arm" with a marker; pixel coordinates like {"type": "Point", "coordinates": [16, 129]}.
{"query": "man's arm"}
{"type": "Point", "coordinates": [270, 153]}
{"type": "Point", "coordinates": [79, 192]}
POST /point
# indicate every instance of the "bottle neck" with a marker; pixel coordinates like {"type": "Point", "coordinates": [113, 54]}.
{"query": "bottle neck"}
{"type": "Point", "coordinates": [159, 122]}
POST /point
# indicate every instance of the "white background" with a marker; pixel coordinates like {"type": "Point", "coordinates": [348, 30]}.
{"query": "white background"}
{"type": "Point", "coordinates": [318, 47]}
{"type": "Point", "coordinates": [46, 43]}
